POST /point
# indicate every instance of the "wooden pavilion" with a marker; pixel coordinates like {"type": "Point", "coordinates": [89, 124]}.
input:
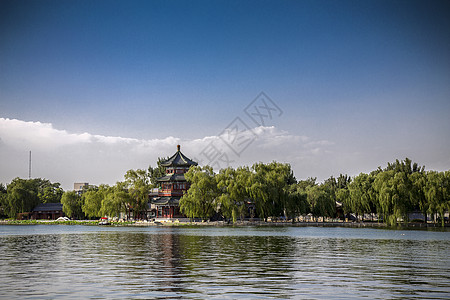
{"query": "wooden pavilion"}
{"type": "Point", "coordinates": [172, 186]}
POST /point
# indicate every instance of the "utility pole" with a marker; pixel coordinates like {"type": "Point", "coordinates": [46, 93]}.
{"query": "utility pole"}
{"type": "Point", "coordinates": [29, 168]}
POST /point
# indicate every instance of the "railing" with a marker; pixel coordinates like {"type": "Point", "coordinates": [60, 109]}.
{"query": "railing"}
{"type": "Point", "coordinates": [170, 192]}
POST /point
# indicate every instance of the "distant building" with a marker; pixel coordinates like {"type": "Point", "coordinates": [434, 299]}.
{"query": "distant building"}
{"type": "Point", "coordinates": [80, 187]}
{"type": "Point", "coordinates": [172, 186]}
{"type": "Point", "coordinates": [47, 211]}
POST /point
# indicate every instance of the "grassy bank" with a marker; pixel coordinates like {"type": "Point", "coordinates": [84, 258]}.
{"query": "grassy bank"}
{"type": "Point", "coordinates": [47, 222]}
{"type": "Point", "coordinates": [221, 223]}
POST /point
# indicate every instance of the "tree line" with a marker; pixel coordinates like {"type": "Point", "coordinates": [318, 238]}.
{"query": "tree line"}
{"type": "Point", "coordinates": [262, 190]}
{"type": "Point", "coordinates": [271, 190]}
{"type": "Point", "coordinates": [22, 195]}
{"type": "Point", "coordinates": [129, 196]}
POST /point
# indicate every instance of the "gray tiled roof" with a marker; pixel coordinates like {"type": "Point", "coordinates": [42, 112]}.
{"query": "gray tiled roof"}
{"type": "Point", "coordinates": [173, 177]}
{"type": "Point", "coordinates": [178, 160]}
{"type": "Point", "coordinates": [166, 201]}
{"type": "Point", "coordinates": [49, 207]}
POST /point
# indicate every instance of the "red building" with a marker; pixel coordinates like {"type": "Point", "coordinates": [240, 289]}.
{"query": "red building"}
{"type": "Point", "coordinates": [172, 186]}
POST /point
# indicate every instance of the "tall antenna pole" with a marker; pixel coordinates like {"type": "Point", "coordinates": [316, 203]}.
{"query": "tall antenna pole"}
{"type": "Point", "coordinates": [29, 168]}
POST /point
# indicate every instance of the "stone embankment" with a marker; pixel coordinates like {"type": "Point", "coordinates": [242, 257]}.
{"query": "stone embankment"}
{"type": "Point", "coordinates": [186, 222]}
{"type": "Point", "coordinates": [287, 224]}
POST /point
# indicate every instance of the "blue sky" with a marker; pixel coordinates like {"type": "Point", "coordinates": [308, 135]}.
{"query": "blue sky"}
{"type": "Point", "coordinates": [359, 83]}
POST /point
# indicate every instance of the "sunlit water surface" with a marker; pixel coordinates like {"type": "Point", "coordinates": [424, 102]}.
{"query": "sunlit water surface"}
{"type": "Point", "coordinates": [79, 262]}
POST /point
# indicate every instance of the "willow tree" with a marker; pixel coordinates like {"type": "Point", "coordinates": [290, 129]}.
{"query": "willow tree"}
{"type": "Point", "coordinates": [298, 202]}
{"type": "Point", "coordinates": [393, 195]}
{"type": "Point", "coordinates": [343, 196]}
{"type": "Point", "coordinates": [116, 200]}
{"type": "Point", "coordinates": [419, 199]}
{"type": "Point", "coordinates": [22, 196]}
{"type": "Point", "coordinates": [233, 191]}
{"type": "Point", "coordinates": [321, 201]}
{"type": "Point", "coordinates": [361, 195]}
{"type": "Point", "coordinates": [270, 188]}
{"type": "Point", "coordinates": [386, 195]}
{"type": "Point", "coordinates": [3, 200]}
{"type": "Point", "coordinates": [200, 199]}
{"type": "Point", "coordinates": [92, 200]}
{"type": "Point", "coordinates": [72, 205]}
{"type": "Point", "coordinates": [437, 193]}
{"type": "Point", "coordinates": [399, 190]}
{"type": "Point", "coordinates": [138, 184]}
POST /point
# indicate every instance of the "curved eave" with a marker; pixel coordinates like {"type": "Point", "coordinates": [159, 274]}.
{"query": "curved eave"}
{"type": "Point", "coordinates": [174, 177]}
{"type": "Point", "coordinates": [166, 201]}
{"type": "Point", "coordinates": [178, 160]}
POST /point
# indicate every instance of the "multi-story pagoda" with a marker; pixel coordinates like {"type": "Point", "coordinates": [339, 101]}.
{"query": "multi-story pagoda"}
{"type": "Point", "coordinates": [172, 186]}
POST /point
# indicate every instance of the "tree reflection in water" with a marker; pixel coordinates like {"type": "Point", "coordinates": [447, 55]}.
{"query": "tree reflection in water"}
{"type": "Point", "coordinates": [113, 263]}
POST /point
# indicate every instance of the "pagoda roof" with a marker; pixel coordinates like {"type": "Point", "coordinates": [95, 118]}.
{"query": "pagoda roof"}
{"type": "Point", "coordinates": [172, 177]}
{"type": "Point", "coordinates": [166, 201]}
{"type": "Point", "coordinates": [178, 160]}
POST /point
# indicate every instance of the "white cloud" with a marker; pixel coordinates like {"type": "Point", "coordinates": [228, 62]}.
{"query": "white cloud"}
{"type": "Point", "coordinates": [67, 157]}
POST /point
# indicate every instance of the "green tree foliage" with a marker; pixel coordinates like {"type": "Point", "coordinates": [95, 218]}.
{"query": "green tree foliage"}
{"type": "Point", "coordinates": [343, 197]}
{"type": "Point", "coordinates": [310, 181]}
{"type": "Point", "coordinates": [343, 181]}
{"type": "Point", "coordinates": [158, 171]}
{"type": "Point", "coordinates": [48, 192]}
{"type": "Point", "coordinates": [270, 188]}
{"type": "Point", "coordinates": [72, 205]}
{"type": "Point", "coordinates": [201, 198]}
{"type": "Point", "coordinates": [406, 166]}
{"type": "Point", "coordinates": [233, 192]}
{"type": "Point", "coordinates": [298, 201]}
{"type": "Point", "coordinates": [132, 195]}
{"type": "Point", "coordinates": [3, 200]}
{"type": "Point", "coordinates": [92, 200]}
{"type": "Point", "coordinates": [418, 186]}
{"type": "Point", "coordinates": [321, 201]}
{"type": "Point", "coordinates": [360, 195]}
{"type": "Point", "coordinates": [22, 196]}
{"type": "Point", "coordinates": [138, 183]}
{"type": "Point", "coordinates": [2, 189]}
{"type": "Point", "coordinates": [437, 193]}
{"type": "Point", "coordinates": [116, 200]}
{"type": "Point", "coordinates": [392, 193]}
{"type": "Point", "coordinates": [397, 193]}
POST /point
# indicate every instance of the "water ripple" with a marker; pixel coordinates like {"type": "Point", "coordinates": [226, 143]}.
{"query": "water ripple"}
{"type": "Point", "coordinates": [224, 263]}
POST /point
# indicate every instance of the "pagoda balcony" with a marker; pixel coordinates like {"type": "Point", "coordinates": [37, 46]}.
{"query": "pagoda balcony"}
{"type": "Point", "coordinates": [170, 192]}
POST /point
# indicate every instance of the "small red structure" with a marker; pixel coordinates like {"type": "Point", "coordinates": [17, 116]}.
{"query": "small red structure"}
{"type": "Point", "coordinates": [172, 186]}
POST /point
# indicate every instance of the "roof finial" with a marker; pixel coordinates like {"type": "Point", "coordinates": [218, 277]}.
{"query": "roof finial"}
{"type": "Point", "coordinates": [178, 147]}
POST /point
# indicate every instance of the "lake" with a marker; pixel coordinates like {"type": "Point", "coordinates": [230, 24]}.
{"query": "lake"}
{"type": "Point", "coordinates": [79, 262]}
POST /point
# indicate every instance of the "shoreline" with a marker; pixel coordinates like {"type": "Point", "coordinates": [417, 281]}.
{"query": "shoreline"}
{"type": "Point", "coordinates": [170, 223]}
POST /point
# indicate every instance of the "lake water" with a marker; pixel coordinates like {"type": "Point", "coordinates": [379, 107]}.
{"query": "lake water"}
{"type": "Point", "coordinates": [79, 262]}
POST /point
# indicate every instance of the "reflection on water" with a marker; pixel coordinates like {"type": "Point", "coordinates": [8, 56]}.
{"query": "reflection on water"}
{"type": "Point", "coordinates": [321, 263]}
